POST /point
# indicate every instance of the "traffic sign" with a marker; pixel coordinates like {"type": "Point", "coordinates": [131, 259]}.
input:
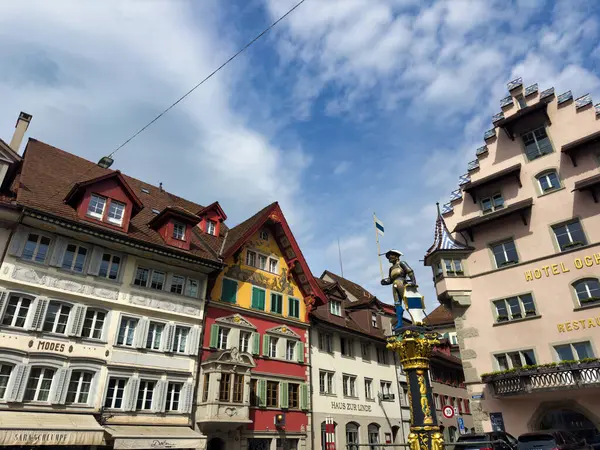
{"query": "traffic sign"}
{"type": "Point", "coordinates": [448, 412]}
{"type": "Point", "coordinates": [461, 425]}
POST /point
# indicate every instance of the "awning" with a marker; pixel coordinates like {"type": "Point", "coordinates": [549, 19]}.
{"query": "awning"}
{"type": "Point", "coordinates": [142, 437]}
{"type": "Point", "coordinates": [573, 147]}
{"type": "Point", "coordinates": [588, 184]}
{"type": "Point", "coordinates": [511, 171]}
{"type": "Point", "coordinates": [29, 428]}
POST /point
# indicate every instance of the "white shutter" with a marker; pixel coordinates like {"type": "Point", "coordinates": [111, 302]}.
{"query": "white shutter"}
{"type": "Point", "coordinates": [3, 301]}
{"type": "Point", "coordinates": [121, 267]}
{"type": "Point", "coordinates": [76, 318]}
{"type": "Point", "coordinates": [38, 312]}
{"type": "Point", "coordinates": [18, 380]}
{"type": "Point", "coordinates": [186, 398]}
{"type": "Point", "coordinates": [95, 260]}
{"type": "Point", "coordinates": [131, 394]}
{"type": "Point", "coordinates": [169, 336]}
{"type": "Point", "coordinates": [60, 384]}
{"type": "Point", "coordinates": [59, 250]}
{"type": "Point", "coordinates": [160, 392]}
{"type": "Point", "coordinates": [17, 243]}
{"type": "Point", "coordinates": [193, 341]}
{"type": "Point", "coordinates": [141, 331]}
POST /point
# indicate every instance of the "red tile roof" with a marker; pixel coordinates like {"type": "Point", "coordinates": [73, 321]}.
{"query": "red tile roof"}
{"type": "Point", "coordinates": [440, 316]}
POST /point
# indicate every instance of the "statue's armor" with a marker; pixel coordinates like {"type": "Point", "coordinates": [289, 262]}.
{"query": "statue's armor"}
{"type": "Point", "coordinates": [399, 273]}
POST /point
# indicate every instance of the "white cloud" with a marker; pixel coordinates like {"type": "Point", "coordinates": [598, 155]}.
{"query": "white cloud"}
{"type": "Point", "coordinates": [341, 167]}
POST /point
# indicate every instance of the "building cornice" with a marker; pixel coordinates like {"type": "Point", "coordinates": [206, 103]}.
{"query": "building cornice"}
{"type": "Point", "coordinates": [252, 312]}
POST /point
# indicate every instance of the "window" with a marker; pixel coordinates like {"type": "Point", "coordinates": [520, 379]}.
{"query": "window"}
{"type": "Point", "coordinates": [347, 347]}
{"type": "Point", "coordinates": [153, 339]}
{"type": "Point", "coordinates": [467, 406]}
{"type": "Point", "coordinates": [36, 248]}
{"type": "Point", "coordinates": [272, 394]}
{"type": "Point", "coordinates": [250, 258]}
{"type": "Point", "coordinates": [205, 387]}
{"type": "Point", "coordinates": [352, 436]}
{"type": "Point", "coordinates": [293, 307]}
{"type": "Point", "coordinates": [109, 266]}
{"type": "Point", "coordinates": [244, 344]}
{"type": "Point", "coordinates": [505, 253]}
{"type": "Point", "coordinates": [374, 320]}
{"type": "Point", "coordinates": [335, 307]}
{"type": "Point", "coordinates": [536, 144]}
{"type": "Point", "coordinates": [127, 331]}
{"type": "Point", "coordinates": [16, 311]}
{"type": "Point", "coordinates": [211, 227]}
{"type": "Point", "coordinates": [570, 235]}
{"type": "Point", "coordinates": [365, 351]}
{"type": "Point", "coordinates": [145, 394]}
{"type": "Point", "coordinates": [262, 262]}
{"type": "Point", "coordinates": [325, 342]}
{"type": "Point", "coordinates": [373, 432]}
{"type": "Point", "coordinates": [222, 338]}
{"type": "Point", "coordinates": [273, 265]}
{"type": "Point", "coordinates": [493, 203]}
{"type": "Point", "coordinates": [290, 347]}
{"type": "Point", "coordinates": [5, 371]}
{"type": "Point", "coordinates": [191, 288]}
{"type": "Point", "coordinates": [515, 308]}
{"type": "Point", "coordinates": [258, 298]}
{"type": "Point", "coordinates": [177, 283]}
{"type": "Point", "coordinates": [349, 385]}
{"type": "Point", "coordinates": [224, 387]}
{"type": "Point", "coordinates": [587, 291]}
{"type": "Point", "coordinates": [273, 347]}
{"type": "Point", "coordinates": [276, 303]}
{"type": "Point", "coordinates": [158, 280]}
{"type": "Point", "coordinates": [575, 351]}
{"type": "Point", "coordinates": [115, 393]}
{"type": "Point", "coordinates": [437, 270]}
{"type": "Point", "coordinates": [238, 389]}
{"type": "Point", "coordinates": [386, 390]}
{"type": "Point", "coordinates": [79, 387]}
{"type": "Point", "coordinates": [173, 394]}
{"type": "Point", "coordinates": [229, 291]}
{"type": "Point", "coordinates": [93, 324]}
{"type": "Point", "coordinates": [116, 210]}
{"type": "Point", "coordinates": [264, 235]}
{"type": "Point", "coordinates": [381, 355]}
{"type": "Point", "coordinates": [513, 360]}
{"type": "Point", "coordinates": [368, 389]}
{"type": "Point", "coordinates": [453, 267]}
{"type": "Point", "coordinates": [96, 206]}
{"type": "Point", "coordinates": [454, 338]}
{"type": "Point", "coordinates": [548, 181]}
{"type": "Point", "coordinates": [180, 339]}
{"type": "Point", "coordinates": [294, 396]}
{"type": "Point", "coordinates": [179, 231]}
{"type": "Point", "coordinates": [521, 101]}
{"type": "Point", "coordinates": [38, 386]}
{"type": "Point", "coordinates": [436, 400]}
{"type": "Point", "coordinates": [56, 319]}
{"type": "Point", "coordinates": [325, 382]}
{"type": "Point", "coordinates": [74, 258]}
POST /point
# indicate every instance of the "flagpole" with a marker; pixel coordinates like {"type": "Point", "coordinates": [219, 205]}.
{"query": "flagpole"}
{"type": "Point", "coordinates": [378, 249]}
{"type": "Point", "coordinates": [340, 254]}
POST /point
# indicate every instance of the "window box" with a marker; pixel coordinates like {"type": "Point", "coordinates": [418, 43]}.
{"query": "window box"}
{"type": "Point", "coordinates": [574, 245]}
{"type": "Point", "coordinates": [530, 313]}
{"type": "Point", "coordinates": [502, 318]}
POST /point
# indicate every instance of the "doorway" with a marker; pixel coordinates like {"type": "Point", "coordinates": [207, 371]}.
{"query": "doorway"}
{"type": "Point", "coordinates": [216, 444]}
{"type": "Point", "coordinates": [570, 420]}
{"type": "Point", "coordinates": [259, 444]}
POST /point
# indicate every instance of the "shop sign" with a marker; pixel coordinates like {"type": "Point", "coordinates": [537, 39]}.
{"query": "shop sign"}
{"type": "Point", "coordinates": [132, 444]}
{"type": "Point", "coordinates": [576, 325]}
{"type": "Point", "coordinates": [349, 406]}
{"type": "Point", "coordinates": [556, 269]}
{"type": "Point", "coordinates": [51, 346]}
{"type": "Point", "coordinates": [43, 437]}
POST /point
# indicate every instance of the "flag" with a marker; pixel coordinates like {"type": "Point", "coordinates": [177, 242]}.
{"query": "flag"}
{"type": "Point", "coordinates": [378, 225]}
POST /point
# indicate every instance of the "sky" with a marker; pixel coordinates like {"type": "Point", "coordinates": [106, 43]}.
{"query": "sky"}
{"type": "Point", "coordinates": [346, 108]}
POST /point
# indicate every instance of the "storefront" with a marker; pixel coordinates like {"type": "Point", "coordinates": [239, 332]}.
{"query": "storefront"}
{"type": "Point", "coordinates": [153, 437]}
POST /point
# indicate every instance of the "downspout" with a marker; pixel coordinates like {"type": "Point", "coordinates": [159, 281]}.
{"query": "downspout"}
{"type": "Point", "coordinates": [10, 236]}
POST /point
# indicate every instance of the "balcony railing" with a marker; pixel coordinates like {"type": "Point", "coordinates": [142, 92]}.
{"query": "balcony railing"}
{"type": "Point", "coordinates": [565, 375]}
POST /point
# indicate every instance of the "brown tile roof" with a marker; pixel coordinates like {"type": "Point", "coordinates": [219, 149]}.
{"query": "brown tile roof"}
{"type": "Point", "coordinates": [354, 289]}
{"type": "Point", "coordinates": [237, 235]}
{"type": "Point", "coordinates": [48, 174]}
{"type": "Point", "coordinates": [322, 314]}
{"type": "Point", "coordinates": [439, 316]}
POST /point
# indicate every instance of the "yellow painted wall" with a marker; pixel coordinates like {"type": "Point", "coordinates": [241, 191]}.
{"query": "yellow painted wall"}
{"type": "Point", "coordinates": [238, 270]}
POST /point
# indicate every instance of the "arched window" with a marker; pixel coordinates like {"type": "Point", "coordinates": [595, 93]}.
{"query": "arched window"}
{"type": "Point", "coordinates": [352, 435]}
{"type": "Point", "coordinates": [588, 290]}
{"type": "Point", "coordinates": [548, 181]}
{"type": "Point", "coordinates": [373, 432]}
{"type": "Point", "coordinates": [395, 430]}
{"type": "Point", "coordinates": [324, 435]}
{"type": "Point", "coordinates": [452, 433]}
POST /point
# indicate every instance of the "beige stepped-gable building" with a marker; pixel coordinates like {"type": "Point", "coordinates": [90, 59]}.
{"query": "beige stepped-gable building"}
{"type": "Point", "coordinates": [516, 258]}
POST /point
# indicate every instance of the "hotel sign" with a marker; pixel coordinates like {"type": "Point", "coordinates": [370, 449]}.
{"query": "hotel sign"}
{"type": "Point", "coordinates": [348, 406]}
{"type": "Point", "coordinates": [576, 325]}
{"type": "Point", "coordinates": [556, 269]}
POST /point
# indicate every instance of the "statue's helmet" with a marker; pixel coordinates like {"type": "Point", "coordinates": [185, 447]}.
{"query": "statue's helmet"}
{"type": "Point", "coordinates": [389, 253]}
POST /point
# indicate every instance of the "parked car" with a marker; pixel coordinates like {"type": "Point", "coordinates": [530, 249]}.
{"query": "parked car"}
{"type": "Point", "coordinates": [551, 440]}
{"type": "Point", "coordinates": [492, 440]}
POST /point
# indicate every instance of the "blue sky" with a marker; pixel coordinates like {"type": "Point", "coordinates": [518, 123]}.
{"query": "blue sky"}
{"type": "Point", "coordinates": [346, 108]}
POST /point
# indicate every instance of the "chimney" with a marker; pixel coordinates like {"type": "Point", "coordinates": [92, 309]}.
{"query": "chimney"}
{"type": "Point", "coordinates": [20, 129]}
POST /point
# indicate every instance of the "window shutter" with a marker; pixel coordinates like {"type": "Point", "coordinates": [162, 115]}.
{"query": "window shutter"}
{"type": "Point", "coordinates": [304, 396]}
{"type": "Point", "coordinates": [214, 335]}
{"type": "Point", "coordinates": [160, 392]}
{"type": "Point", "coordinates": [262, 393]}
{"type": "Point", "coordinates": [57, 254]}
{"type": "Point", "coordinates": [193, 341]}
{"type": "Point", "coordinates": [169, 337]}
{"type": "Point", "coordinates": [3, 301]}
{"type": "Point", "coordinates": [262, 294]}
{"type": "Point", "coordinates": [229, 291]}
{"type": "Point", "coordinates": [16, 388]}
{"type": "Point", "coordinates": [17, 243]}
{"type": "Point", "coordinates": [300, 351]}
{"type": "Point", "coordinates": [76, 318]}
{"type": "Point", "coordinates": [60, 385]}
{"type": "Point", "coordinates": [266, 341]}
{"type": "Point", "coordinates": [141, 330]}
{"type": "Point", "coordinates": [95, 260]}
{"type": "Point", "coordinates": [131, 395]}
{"type": "Point", "coordinates": [187, 394]}
{"type": "Point", "coordinates": [283, 394]}
{"type": "Point", "coordinates": [40, 305]}
{"type": "Point", "coordinates": [121, 267]}
{"type": "Point", "coordinates": [256, 343]}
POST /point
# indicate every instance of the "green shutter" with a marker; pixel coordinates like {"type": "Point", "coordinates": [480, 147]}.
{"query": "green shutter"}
{"type": "Point", "coordinates": [255, 343]}
{"type": "Point", "coordinates": [283, 394]}
{"type": "Point", "coordinates": [276, 303]}
{"type": "Point", "coordinates": [294, 307]}
{"type": "Point", "coordinates": [266, 340]}
{"type": "Point", "coordinates": [258, 298]}
{"type": "Point", "coordinates": [229, 291]}
{"type": "Point", "coordinates": [300, 351]}
{"type": "Point", "coordinates": [304, 396]}
{"type": "Point", "coordinates": [214, 335]}
{"type": "Point", "coordinates": [262, 393]}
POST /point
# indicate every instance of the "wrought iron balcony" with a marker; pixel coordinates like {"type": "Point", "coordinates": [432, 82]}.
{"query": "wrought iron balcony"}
{"type": "Point", "coordinates": [546, 378]}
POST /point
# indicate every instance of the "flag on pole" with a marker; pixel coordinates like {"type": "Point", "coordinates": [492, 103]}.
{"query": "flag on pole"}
{"type": "Point", "coordinates": [378, 225]}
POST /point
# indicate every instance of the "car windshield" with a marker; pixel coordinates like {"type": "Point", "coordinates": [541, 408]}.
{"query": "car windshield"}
{"type": "Point", "coordinates": [536, 441]}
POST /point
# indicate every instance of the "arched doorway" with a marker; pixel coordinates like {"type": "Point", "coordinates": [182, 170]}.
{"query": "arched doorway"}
{"type": "Point", "coordinates": [570, 420]}
{"type": "Point", "coordinates": [216, 444]}
{"type": "Point", "coordinates": [373, 433]}
{"type": "Point", "coordinates": [352, 436]}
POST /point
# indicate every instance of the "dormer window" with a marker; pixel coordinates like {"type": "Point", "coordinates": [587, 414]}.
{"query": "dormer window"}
{"type": "Point", "coordinates": [179, 231]}
{"type": "Point", "coordinates": [335, 307]}
{"type": "Point", "coordinates": [96, 207]}
{"type": "Point", "coordinates": [374, 320]}
{"type": "Point", "coordinates": [116, 211]}
{"type": "Point", "coordinates": [211, 226]}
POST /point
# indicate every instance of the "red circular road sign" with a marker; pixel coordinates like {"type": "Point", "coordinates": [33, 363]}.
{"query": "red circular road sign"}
{"type": "Point", "coordinates": [448, 412]}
